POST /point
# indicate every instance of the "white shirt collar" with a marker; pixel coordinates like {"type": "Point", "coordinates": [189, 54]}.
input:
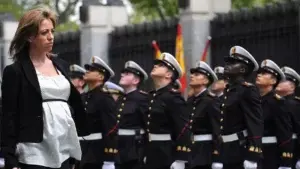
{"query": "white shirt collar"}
{"type": "Point", "coordinates": [200, 92]}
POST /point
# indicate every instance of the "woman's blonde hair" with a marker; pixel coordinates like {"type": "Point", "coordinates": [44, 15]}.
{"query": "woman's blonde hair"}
{"type": "Point", "coordinates": [29, 26]}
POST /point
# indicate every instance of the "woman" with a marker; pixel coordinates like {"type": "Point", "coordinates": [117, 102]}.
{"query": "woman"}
{"type": "Point", "coordinates": [38, 100]}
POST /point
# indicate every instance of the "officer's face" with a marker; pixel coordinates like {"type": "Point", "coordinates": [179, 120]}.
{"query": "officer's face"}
{"type": "Point", "coordinates": [92, 75]}
{"type": "Point", "coordinates": [233, 68]}
{"type": "Point", "coordinates": [285, 87]}
{"type": "Point", "coordinates": [128, 79]}
{"type": "Point", "coordinates": [159, 70]}
{"type": "Point", "coordinates": [265, 79]}
{"type": "Point", "coordinates": [218, 85]}
{"type": "Point", "coordinates": [198, 79]}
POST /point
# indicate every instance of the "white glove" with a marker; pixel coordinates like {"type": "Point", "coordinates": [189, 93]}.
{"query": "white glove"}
{"type": "Point", "coordinates": [108, 165]}
{"type": "Point", "coordinates": [284, 168]}
{"type": "Point", "coordinates": [250, 164]}
{"type": "Point", "coordinates": [298, 164]}
{"type": "Point", "coordinates": [217, 166]}
{"type": "Point", "coordinates": [178, 165]}
{"type": "Point", "coordinates": [2, 162]}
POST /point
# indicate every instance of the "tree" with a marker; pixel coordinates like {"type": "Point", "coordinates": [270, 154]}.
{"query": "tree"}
{"type": "Point", "coordinates": [161, 9]}
{"type": "Point", "coordinates": [63, 8]}
{"type": "Point", "coordinates": [154, 9]}
{"type": "Point", "coordinates": [236, 4]}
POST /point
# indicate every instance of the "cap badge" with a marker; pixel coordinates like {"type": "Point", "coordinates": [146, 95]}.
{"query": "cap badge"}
{"type": "Point", "coordinates": [264, 63]}
{"type": "Point", "coordinates": [72, 68]}
{"type": "Point", "coordinates": [233, 50]}
{"type": "Point", "coordinates": [163, 56]}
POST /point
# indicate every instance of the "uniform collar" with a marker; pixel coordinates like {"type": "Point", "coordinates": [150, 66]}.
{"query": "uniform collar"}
{"type": "Point", "coordinates": [201, 92]}
{"type": "Point", "coordinates": [130, 91]}
{"type": "Point", "coordinates": [270, 94]}
{"type": "Point", "coordinates": [290, 96]}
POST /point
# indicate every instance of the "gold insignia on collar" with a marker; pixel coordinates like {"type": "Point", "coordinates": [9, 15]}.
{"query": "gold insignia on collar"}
{"type": "Point", "coordinates": [251, 148]}
{"type": "Point", "coordinates": [278, 96]}
{"type": "Point", "coordinates": [143, 92]}
{"type": "Point", "coordinates": [297, 97]}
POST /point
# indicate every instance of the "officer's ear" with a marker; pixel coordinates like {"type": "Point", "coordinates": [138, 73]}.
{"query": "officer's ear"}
{"type": "Point", "coordinates": [206, 80]}
{"type": "Point", "coordinates": [169, 74]}
{"type": "Point", "coordinates": [136, 80]}
{"type": "Point", "coordinates": [101, 76]}
{"type": "Point", "coordinates": [273, 80]}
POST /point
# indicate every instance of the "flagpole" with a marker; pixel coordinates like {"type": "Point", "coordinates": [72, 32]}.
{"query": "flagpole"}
{"type": "Point", "coordinates": [205, 51]}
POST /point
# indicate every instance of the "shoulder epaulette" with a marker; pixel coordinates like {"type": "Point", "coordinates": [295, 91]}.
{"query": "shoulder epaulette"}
{"type": "Point", "coordinates": [297, 98]}
{"type": "Point", "coordinates": [277, 96]}
{"type": "Point", "coordinates": [143, 92]}
{"type": "Point", "coordinates": [247, 84]}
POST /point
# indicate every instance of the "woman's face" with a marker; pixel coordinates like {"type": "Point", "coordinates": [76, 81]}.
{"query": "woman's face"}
{"type": "Point", "coordinates": [44, 39]}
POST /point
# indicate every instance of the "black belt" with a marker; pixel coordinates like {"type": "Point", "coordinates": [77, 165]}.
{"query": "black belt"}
{"type": "Point", "coordinates": [54, 100]}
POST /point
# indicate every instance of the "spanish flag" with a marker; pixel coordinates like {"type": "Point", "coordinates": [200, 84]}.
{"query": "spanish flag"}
{"type": "Point", "coordinates": [157, 50]}
{"type": "Point", "coordinates": [179, 54]}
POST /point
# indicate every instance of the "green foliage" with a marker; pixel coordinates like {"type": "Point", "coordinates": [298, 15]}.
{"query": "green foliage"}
{"type": "Point", "coordinates": [236, 4]}
{"type": "Point", "coordinates": [154, 9]}
{"type": "Point", "coordinates": [146, 10]}
{"type": "Point", "coordinates": [17, 8]}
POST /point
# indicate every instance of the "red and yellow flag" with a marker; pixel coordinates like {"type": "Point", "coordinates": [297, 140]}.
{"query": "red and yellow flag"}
{"type": "Point", "coordinates": [157, 50]}
{"type": "Point", "coordinates": [179, 54]}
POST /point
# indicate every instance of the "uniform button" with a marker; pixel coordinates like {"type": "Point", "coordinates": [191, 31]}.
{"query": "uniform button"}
{"type": "Point", "coordinates": [122, 104]}
{"type": "Point", "coordinates": [151, 101]}
{"type": "Point", "coordinates": [149, 108]}
{"type": "Point", "coordinates": [191, 127]}
{"type": "Point", "coordinates": [225, 97]}
{"type": "Point", "coordinates": [148, 122]}
{"type": "Point", "coordinates": [192, 114]}
{"type": "Point", "coordinates": [124, 98]}
{"type": "Point", "coordinates": [221, 119]}
{"type": "Point", "coordinates": [148, 130]}
{"type": "Point", "coordinates": [84, 108]}
{"type": "Point", "coordinates": [194, 108]}
{"type": "Point", "coordinates": [221, 112]}
{"type": "Point", "coordinates": [118, 121]}
{"type": "Point", "coordinates": [221, 127]}
{"type": "Point", "coordinates": [227, 90]}
{"type": "Point", "coordinates": [119, 115]}
{"type": "Point", "coordinates": [120, 110]}
{"type": "Point", "coordinates": [86, 102]}
{"type": "Point", "coordinates": [154, 94]}
{"type": "Point", "coordinates": [223, 105]}
{"type": "Point", "coordinates": [149, 115]}
{"type": "Point", "coordinates": [191, 121]}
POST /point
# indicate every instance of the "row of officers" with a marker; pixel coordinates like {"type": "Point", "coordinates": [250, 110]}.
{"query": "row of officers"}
{"type": "Point", "coordinates": [226, 122]}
